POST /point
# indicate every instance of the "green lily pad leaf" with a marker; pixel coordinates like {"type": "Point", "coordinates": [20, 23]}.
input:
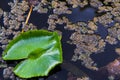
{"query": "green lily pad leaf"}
{"type": "Point", "coordinates": [40, 49]}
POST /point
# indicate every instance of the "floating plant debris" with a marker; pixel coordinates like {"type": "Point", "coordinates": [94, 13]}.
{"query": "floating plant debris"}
{"type": "Point", "coordinates": [112, 69]}
{"type": "Point", "coordinates": [32, 2]}
{"type": "Point", "coordinates": [1, 12]}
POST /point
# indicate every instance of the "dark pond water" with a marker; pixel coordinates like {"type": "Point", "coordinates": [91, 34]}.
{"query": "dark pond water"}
{"type": "Point", "coordinates": [78, 14]}
{"type": "Point", "coordinates": [86, 14]}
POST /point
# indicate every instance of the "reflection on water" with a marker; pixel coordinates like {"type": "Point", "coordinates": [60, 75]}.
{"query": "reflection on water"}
{"type": "Point", "coordinates": [85, 14]}
{"type": "Point", "coordinates": [102, 31]}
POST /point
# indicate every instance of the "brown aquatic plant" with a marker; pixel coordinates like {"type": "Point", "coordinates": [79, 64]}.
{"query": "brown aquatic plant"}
{"type": "Point", "coordinates": [33, 2]}
{"type": "Point", "coordinates": [112, 70]}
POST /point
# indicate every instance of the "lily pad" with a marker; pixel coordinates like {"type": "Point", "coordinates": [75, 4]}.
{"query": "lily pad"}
{"type": "Point", "coordinates": [40, 50]}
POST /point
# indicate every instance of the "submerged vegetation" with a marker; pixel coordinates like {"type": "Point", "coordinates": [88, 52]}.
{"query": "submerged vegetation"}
{"type": "Point", "coordinates": [90, 37]}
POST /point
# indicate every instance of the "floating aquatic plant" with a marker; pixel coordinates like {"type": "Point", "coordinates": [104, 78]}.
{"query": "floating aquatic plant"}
{"type": "Point", "coordinates": [40, 51]}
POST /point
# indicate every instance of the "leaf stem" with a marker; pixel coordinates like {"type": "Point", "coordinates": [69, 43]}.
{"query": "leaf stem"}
{"type": "Point", "coordinates": [28, 16]}
{"type": "Point", "coordinates": [31, 7]}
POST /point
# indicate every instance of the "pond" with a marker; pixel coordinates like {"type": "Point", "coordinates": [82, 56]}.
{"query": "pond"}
{"type": "Point", "coordinates": [89, 37]}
